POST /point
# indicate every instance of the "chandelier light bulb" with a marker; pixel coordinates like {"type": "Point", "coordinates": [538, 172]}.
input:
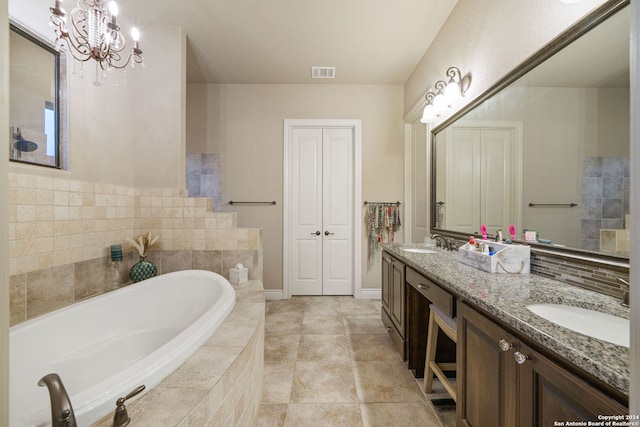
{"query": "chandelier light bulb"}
{"type": "Point", "coordinates": [135, 34]}
{"type": "Point", "coordinates": [113, 9]}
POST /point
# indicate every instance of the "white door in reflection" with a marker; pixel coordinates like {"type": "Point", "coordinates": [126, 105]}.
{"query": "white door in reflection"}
{"type": "Point", "coordinates": [484, 176]}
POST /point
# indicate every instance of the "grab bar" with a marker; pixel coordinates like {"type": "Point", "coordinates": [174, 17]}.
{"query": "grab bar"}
{"type": "Point", "coordinates": [567, 205]}
{"type": "Point", "coordinates": [382, 203]}
{"type": "Point", "coordinates": [231, 202]}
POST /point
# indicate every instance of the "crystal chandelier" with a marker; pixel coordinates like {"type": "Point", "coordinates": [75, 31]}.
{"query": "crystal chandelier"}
{"type": "Point", "coordinates": [95, 34]}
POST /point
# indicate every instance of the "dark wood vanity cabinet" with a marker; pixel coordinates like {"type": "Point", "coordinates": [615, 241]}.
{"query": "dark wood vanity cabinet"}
{"type": "Point", "coordinates": [487, 379]}
{"type": "Point", "coordinates": [393, 300]}
{"type": "Point", "coordinates": [504, 382]}
{"type": "Point", "coordinates": [549, 392]}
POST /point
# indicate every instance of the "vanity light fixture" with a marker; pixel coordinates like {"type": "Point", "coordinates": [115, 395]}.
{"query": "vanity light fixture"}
{"type": "Point", "coordinates": [95, 34]}
{"type": "Point", "coordinates": [446, 94]}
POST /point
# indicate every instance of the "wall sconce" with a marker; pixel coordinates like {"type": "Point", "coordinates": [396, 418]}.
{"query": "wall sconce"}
{"type": "Point", "coordinates": [446, 94]}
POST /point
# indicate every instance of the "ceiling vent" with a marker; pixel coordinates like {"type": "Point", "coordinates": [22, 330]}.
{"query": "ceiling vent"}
{"type": "Point", "coordinates": [323, 72]}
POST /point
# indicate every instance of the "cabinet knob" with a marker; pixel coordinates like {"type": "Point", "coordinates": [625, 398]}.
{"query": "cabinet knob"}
{"type": "Point", "coordinates": [317, 233]}
{"type": "Point", "coordinates": [423, 287]}
{"type": "Point", "coordinates": [505, 345]}
{"type": "Point", "coordinates": [388, 328]}
{"type": "Point", "coordinates": [328, 233]}
{"type": "Point", "coordinates": [520, 358]}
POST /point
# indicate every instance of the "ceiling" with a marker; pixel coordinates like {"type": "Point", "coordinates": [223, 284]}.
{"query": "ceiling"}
{"type": "Point", "coordinates": [277, 41]}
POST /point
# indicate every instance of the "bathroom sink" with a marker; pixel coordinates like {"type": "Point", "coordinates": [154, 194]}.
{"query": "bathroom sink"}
{"type": "Point", "coordinates": [592, 323]}
{"type": "Point", "coordinates": [418, 250]}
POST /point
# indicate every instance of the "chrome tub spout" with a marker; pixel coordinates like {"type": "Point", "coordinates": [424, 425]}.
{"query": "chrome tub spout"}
{"type": "Point", "coordinates": [61, 410]}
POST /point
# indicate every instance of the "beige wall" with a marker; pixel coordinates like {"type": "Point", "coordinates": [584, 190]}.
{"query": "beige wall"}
{"type": "Point", "coordinates": [4, 225]}
{"type": "Point", "coordinates": [489, 38]}
{"type": "Point", "coordinates": [244, 123]}
{"type": "Point", "coordinates": [159, 110]}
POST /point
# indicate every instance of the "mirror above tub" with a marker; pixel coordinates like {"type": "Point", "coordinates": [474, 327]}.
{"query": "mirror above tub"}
{"type": "Point", "coordinates": [36, 84]}
{"type": "Point", "coordinates": [547, 148]}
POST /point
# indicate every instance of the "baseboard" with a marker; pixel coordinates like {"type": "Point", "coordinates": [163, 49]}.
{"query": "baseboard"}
{"type": "Point", "coordinates": [271, 294]}
{"type": "Point", "coordinates": [370, 293]}
{"type": "Point", "coordinates": [367, 293]}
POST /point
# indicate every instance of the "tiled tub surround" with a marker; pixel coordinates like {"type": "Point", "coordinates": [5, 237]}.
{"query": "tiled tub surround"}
{"type": "Point", "coordinates": [221, 383]}
{"type": "Point", "coordinates": [60, 231]}
{"type": "Point", "coordinates": [506, 296]}
{"type": "Point", "coordinates": [38, 292]}
{"type": "Point", "coordinates": [55, 222]}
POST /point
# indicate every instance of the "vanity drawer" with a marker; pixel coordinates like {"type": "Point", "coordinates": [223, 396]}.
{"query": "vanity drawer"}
{"type": "Point", "coordinates": [398, 341]}
{"type": "Point", "coordinates": [434, 293]}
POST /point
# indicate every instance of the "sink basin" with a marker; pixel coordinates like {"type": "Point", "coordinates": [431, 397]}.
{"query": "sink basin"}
{"type": "Point", "coordinates": [418, 250]}
{"type": "Point", "coordinates": [592, 323]}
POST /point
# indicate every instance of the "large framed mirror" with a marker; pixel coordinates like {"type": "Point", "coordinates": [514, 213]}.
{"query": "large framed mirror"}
{"type": "Point", "coordinates": [35, 113]}
{"type": "Point", "coordinates": [547, 148]}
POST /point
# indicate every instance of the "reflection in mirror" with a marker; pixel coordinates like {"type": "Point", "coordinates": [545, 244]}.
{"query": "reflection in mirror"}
{"type": "Point", "coordinates": [548, 152]}
{"type": "Point", "coordinates": [34, 101]}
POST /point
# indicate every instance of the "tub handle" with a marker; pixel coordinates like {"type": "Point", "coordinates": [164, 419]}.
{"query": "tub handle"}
{"type": "Point", "coordinates": [121, 417]}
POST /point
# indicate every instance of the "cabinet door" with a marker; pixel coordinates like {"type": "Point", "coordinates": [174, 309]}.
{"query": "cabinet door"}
{"type": "Point", "coordinates": [549, 393]}
{"type": "Point", "coordinates": [487, 374]}
{"type": "Point", "coordinates": [386, 285]}
{"type": "Point", "coordinates": [397, 296]}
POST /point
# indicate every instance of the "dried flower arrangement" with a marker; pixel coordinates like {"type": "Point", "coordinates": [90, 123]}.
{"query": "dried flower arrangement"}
{"type": "Point", "coordinates": [143, 243]}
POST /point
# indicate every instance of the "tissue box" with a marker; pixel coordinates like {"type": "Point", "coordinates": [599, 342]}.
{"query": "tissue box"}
{"type": "Point", "coordinates": [238, 275]}
{"type": "Point", "coordinates": [514, 259]}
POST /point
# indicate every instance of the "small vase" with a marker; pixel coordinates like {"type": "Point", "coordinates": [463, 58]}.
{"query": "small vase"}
{"type": "Point", "coordinates": [142, 270]}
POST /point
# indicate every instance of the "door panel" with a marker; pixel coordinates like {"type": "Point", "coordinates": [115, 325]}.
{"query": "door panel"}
{"type": "Point", "coordinates": [306, 209]}
{"type": "Point", "coordinates": [337, 211]}
{"type": "Point", "coordinates": [462, 203]}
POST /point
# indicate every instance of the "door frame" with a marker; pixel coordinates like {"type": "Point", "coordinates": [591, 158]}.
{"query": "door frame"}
{"type": "Point", "coordinates": [356, 126]}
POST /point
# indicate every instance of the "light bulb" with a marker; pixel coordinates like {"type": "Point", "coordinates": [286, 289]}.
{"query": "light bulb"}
{"type": "Point", "coordinates": [135, 34]}
{"type": "Point", "coordinates": [113, 9]}
{"type": "Point", "coordinates": [452, 92]}
{"type": "Point", "coordinates": [439, 103]}
{"type": "Point", "coordinates": [428, 115]}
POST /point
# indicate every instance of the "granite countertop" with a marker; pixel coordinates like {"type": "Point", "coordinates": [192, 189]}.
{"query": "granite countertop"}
{"type": "Point", "coordinates": [506, 296]}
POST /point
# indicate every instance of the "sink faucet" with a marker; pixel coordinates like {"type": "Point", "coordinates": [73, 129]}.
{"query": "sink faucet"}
{"type": "Point", "coordinates": [61, 410]}
{"type": "Point", "coordinates": [444, 242]}
{"type": "Point", "coordinates": [625, 294]}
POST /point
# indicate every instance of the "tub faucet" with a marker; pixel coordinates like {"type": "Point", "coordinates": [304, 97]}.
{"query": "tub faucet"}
{"type": "Point", "coordinates": [61, 410]}
{"type": "Point", "coordinates": [121, 417]}
{"type": "Point", "coordinates": [445, 243]}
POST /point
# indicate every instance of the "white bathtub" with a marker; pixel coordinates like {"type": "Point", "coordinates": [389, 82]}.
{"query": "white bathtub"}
{"type": "Point", "coordinates": [106, 346]}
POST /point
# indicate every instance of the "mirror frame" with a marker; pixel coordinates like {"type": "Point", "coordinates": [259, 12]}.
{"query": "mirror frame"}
{"type": "Point", "coordinates": [565, 38]}
{"type": "Point", "coordinates": [38, 41]}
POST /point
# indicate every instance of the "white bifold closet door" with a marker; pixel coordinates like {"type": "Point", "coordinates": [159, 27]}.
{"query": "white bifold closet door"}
{"type": "Point", "coordinates": [322, 211]}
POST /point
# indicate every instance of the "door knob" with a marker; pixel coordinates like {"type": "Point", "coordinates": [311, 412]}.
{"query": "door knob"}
{"type": "Point", "coordinates": [326, 233]}
{"type": "Point", "coordinates": [317, 233]}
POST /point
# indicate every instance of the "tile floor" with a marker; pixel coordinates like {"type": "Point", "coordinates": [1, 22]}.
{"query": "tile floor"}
{"type": "Point", "coordinates": [330, 362]}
